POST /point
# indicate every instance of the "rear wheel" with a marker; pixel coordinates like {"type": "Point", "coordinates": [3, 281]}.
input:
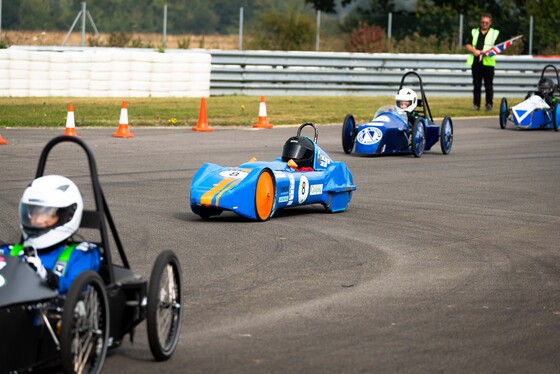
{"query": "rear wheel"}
{"type": "Point", "coordinates": [504, 113]}
{"type": "Point", "coordinates": [348, 133]}
{"type": "Point", "coordinates": [418, 137]}
{"type": "Point", "coordinates": [556, 116]}
{"type": "Point", "coordinates": [164, 305]}
{"type": "Point", "coordinates": [264, 195]}
{"type": "Point", "coordinates": [446, 135]}
{"type": "Point", "coordinates": [85, 325]}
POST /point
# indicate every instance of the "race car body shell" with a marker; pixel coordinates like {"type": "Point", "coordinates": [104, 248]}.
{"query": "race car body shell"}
{"type": "Point", "coordinates": [219, 188]}
{"type": "Point", "coordinates": [533, 113]}
{"type": "Point", "coordinates": [389, 133]}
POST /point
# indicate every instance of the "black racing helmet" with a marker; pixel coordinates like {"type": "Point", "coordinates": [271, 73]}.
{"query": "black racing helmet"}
{"type": "Point", "coordinates": [300, 149]}
{"type": "Point", "coordinates": [545, 85]}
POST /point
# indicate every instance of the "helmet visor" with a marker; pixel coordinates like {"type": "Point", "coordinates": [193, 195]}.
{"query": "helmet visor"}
{"type": "Point", "coordinates": [295, 151]}
{"type": "Point", "coordinates": [403, 104]}
{"type": "Point", "coordinates": [36, 220]}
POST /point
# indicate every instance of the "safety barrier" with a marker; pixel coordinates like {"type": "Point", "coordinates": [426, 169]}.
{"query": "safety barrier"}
{"type": "Point", "coordinates": [104, 72]}
{"type": "Point", "coordinates": [127, 72]}
{"type": "Point", "coordinates": [322, 73]}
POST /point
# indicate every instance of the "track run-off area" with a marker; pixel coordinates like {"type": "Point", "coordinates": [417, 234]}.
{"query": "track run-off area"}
{"type": "Point", "coordinates": [439, 264]}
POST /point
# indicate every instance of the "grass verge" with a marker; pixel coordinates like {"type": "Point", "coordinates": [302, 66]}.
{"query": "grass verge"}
{"type": "Point", "coordinates": [221, 110]}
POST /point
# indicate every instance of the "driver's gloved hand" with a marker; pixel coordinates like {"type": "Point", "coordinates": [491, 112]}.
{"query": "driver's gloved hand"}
{"type": "Point", "coordinates": [35, 262]}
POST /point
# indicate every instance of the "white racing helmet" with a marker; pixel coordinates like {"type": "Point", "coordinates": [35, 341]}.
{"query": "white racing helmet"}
{"type": "Point", "coordinates": [50, 211]}
{"type": "Point", "coordinates": [406, 99]}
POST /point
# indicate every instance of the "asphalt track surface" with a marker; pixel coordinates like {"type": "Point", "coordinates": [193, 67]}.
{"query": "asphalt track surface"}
{"type": "Point", "coordinates": [440, 264]}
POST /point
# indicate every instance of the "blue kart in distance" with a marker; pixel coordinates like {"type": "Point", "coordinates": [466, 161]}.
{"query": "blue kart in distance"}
{"type": "Point", "coordinates": [391, 132]}
{"type": "Point", "coordinates": [540, 108]}
{"type": "Point", "coordinates": [257, 189]}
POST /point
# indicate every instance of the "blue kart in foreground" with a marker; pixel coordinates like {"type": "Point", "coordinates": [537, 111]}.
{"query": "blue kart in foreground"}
{"type": "Point", "coordinates": [304, 175]}
{"type": "Point", "coordinates": [539, 110]}
{"type": "Point", "coordinates": [392, 131]}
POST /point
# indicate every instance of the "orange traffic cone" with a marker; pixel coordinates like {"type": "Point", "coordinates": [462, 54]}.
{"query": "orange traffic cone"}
{"type": "Point", "coordinates": [122, 130]}
{"type": "Point", "coordinates": [70, 125]}
{"type": "Point", "coordinates": [2, 141]}
{"type": "Point", "coordinates": [202, 124]}
{"type": "Point", "coordinates": [262, 123]}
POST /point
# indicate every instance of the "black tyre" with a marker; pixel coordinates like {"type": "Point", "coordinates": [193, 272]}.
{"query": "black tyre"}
{"type": "Point", "coordinates": [206, 212]}
{"type": "Point", "coordinates": [85, 325]}
{"type": "Point", "coordinates": [446, 135]}
{"type": "Point", "coordinates": [164, 305]}
{"type": "Point", "coordinates": [348, 133]}
{"type": "Point", "coordinates": [556, 116]}
{"type": "Point", "coordinates": [264, 195]}
{"type": "Point", "coordinates": [418, 142]}
{"type": "Point", "coordinates": [504, 113]}
{"type": "Point", "coordinates": [165, 295]}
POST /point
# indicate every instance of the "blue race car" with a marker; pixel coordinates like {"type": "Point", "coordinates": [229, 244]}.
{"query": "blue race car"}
{"type": "Point", "coordinates": [407, 127]}
{"type": "Point", "coordinates": [540, 108]}
{"type": "Point", "coordinates": [304, 175]}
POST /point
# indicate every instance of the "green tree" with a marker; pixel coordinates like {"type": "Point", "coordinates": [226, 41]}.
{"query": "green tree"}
{"type": "Point", "coordinates": [284, 28]}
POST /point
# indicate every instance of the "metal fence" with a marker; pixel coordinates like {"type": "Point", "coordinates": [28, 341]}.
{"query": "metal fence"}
{"type": "Point", "coordinates": [317, 73]}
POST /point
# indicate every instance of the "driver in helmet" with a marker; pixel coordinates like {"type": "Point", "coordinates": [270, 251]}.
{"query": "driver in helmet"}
{"type": "Point", "coordinates": [545, 89]}
{"type": "Point", "coordinates": [50, 213]}
{"type": "Point", "coordinates": [301, 150]}
{"type": "Point", "coordinates": [406, 101]}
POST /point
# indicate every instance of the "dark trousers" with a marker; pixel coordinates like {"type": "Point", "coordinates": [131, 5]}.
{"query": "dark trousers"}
{"type": "Point", "coordinates": [480, 72]}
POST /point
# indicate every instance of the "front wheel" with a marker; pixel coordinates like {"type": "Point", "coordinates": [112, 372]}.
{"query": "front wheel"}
{"type": "Point", "coordinates": [348, 133]}
{"type": "Point", "coordinates": [556, 116]}
{"type": "Point", "coordinates": [264, 195]}
{"type": "Point", "coordinates": [85, 325]}
{"type": "Point", "coordinates": [206, 212]}
{"type": "Point", "coordinates": [418, 137]}
{"type": "Point", "coordinates": [446, 135]}
{"type": "Point", "coordinates": [164, 305]}
{"type": "Point", "coordinates": [504, 113]}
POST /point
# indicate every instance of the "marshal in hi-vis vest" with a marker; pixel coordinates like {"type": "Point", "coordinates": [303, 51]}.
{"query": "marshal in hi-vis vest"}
{"type": "Point", "coordinates": [489, 41]}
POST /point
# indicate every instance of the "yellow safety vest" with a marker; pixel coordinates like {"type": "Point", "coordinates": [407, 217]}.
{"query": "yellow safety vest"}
{"type": "Point", "coordinates": [489, 41]}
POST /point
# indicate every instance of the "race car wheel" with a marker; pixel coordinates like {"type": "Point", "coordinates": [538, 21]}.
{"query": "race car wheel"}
{"type": "Point", "coordinates": [556, 116]}
{"type": "Point", "coordinates": [164, 305]}
{"type": "Point", "coordinates": [206, 212]}
{"type": "Point", "coordinates": [503, 113]}
{"type": "Point", "coordinates": [348, 133]}
{"type": "Point", "coordinates": [264, 195]}
{"type": "Point", "coordinates": [418, 137]}
{"type": "Point", "coordinates": [85, 325]}
{"type": "Point", "coordinates": [446, 135]}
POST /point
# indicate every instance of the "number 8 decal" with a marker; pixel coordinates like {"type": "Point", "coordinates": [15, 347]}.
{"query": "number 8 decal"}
{"type": "Point", "coordinates": [303, 190]}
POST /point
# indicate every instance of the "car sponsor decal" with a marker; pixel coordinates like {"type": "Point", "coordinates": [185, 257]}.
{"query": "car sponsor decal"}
{"type": "Point", "coordinates": [283, 199]}
{"type": "Point", "coordinates": [234, 174]}
{"type": "Point", "coordinates": [2, 281]}
{"type": "Point", "coordinates": [279, 174]}
{"type": "Point", "coordinates": [316, 189]}
{"type": "Point", "coordinates": [369, 135]}
{"type": "Point", "coordinates": [292, 187]}
{"type": "Point", "coordinates": [323, 159]}
{"type": "Point", "coordinates": [303, 190]}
